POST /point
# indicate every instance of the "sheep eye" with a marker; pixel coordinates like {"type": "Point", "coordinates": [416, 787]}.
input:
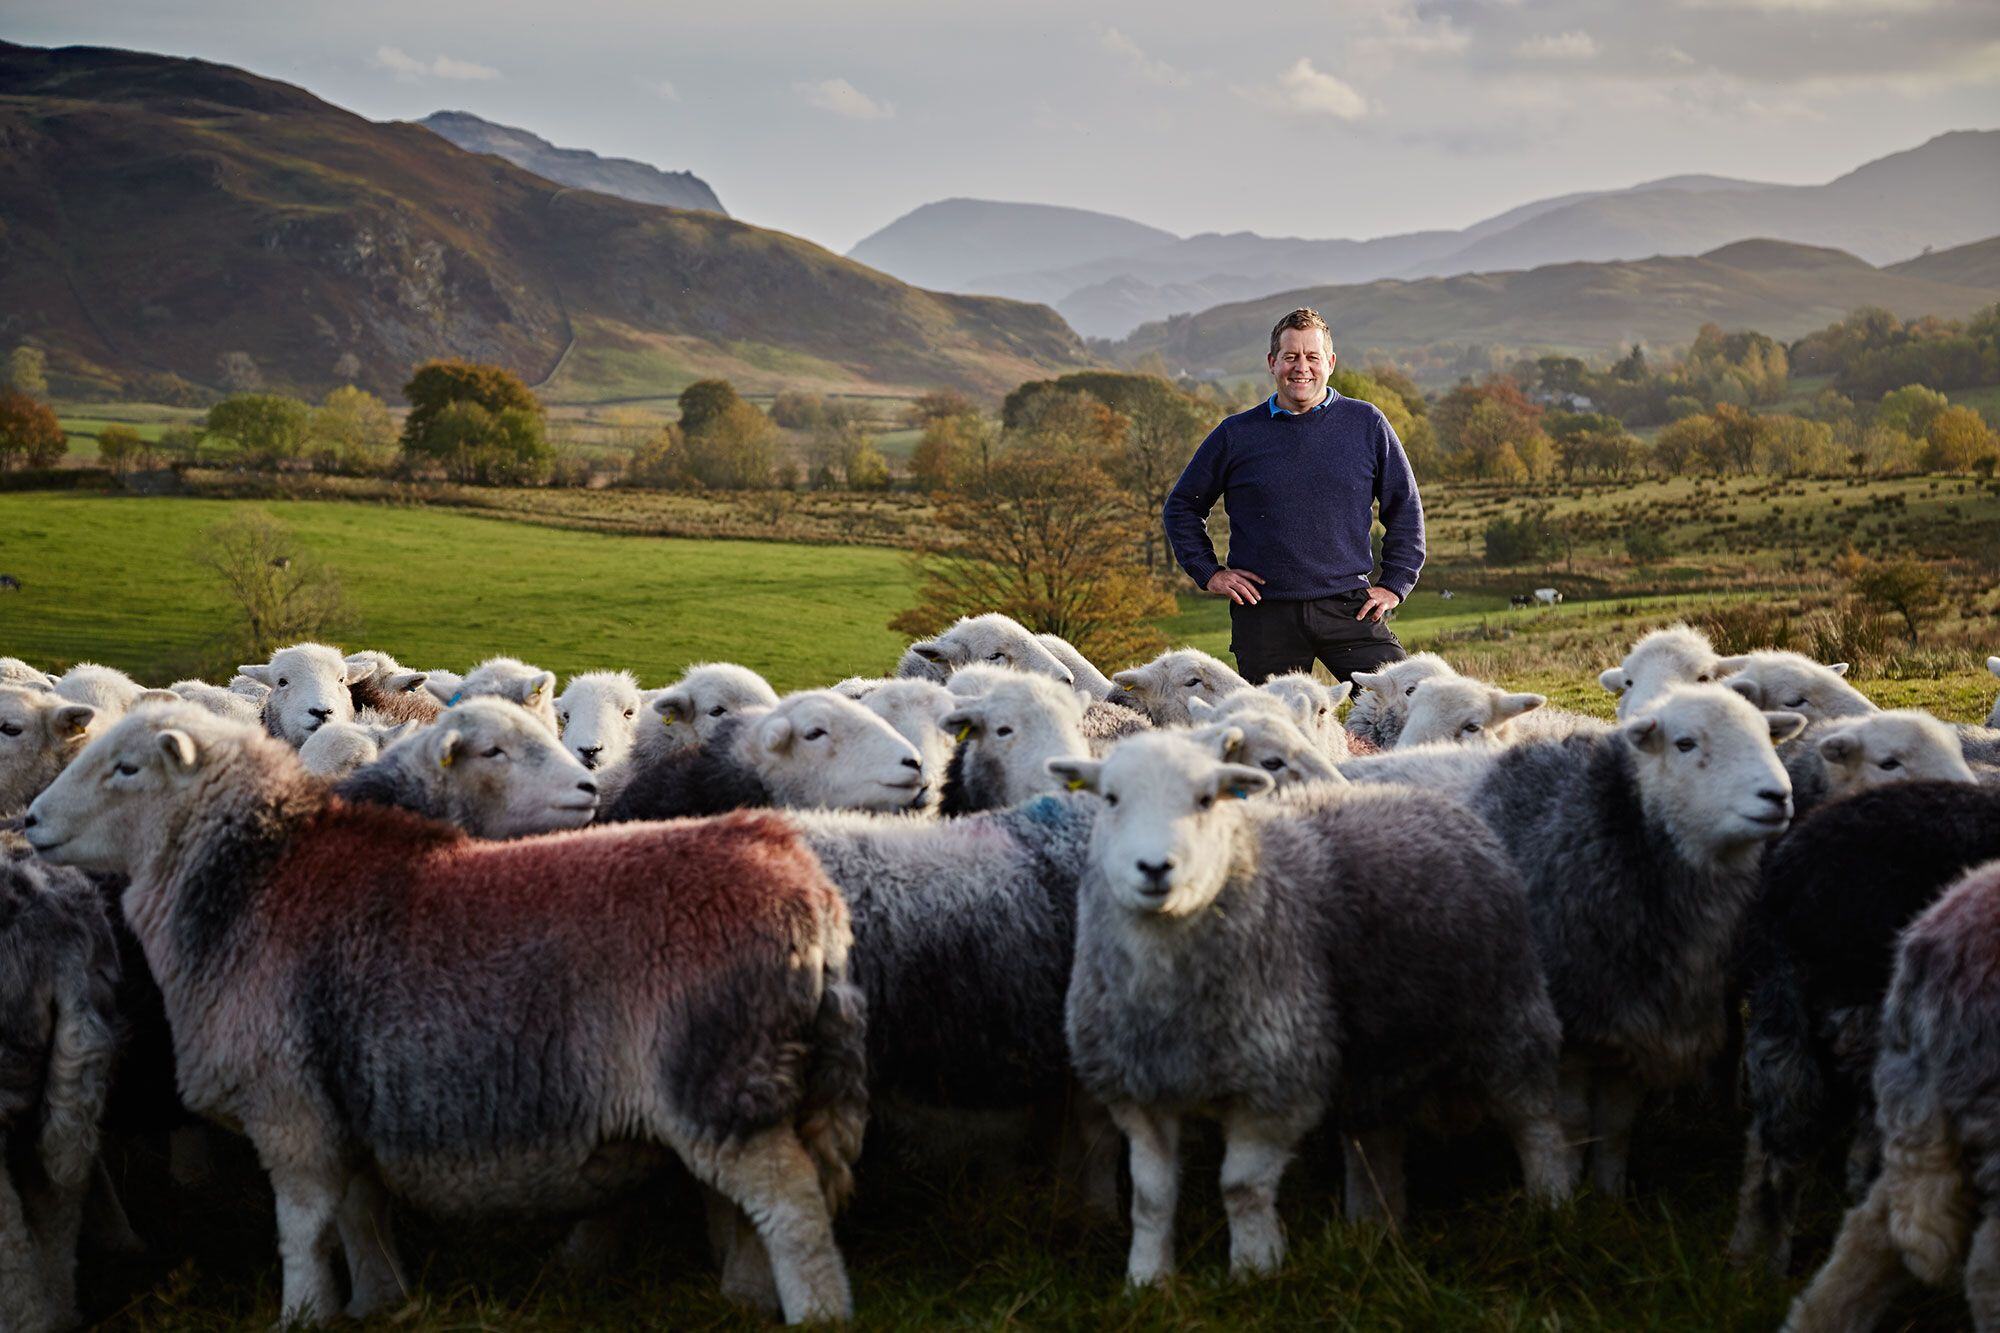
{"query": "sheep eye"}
{"type": "Point", "coordinates": [564, 718]}
{"type": "Point", "coordinates": [1205, 802]}
{"type": "Point", "coordinates": [9, 729]}
{"type": "Point", "coordinates": [1409, 690]}
{"type": "Point", "coordinates": [495, 753]}
{"type": "Point", "coordinates": [124, 770]}
{"type": "Point", "coordinates": [1890, 765]}
{"type": "Point", "coordinates": [1273, 764]}
{"type": "Point", "coordinates": [814, 734]}
{"type": "Point", "coordinates": [1701, 679]}
{"type": "Point", "coordinates": [717, 711]}
{"type": "Point", "coordinates": [282, 682]}
{"type": "Point", "coordinates": [1684, 744]}
{"type": "Point", "coordinates": [996, 657]}
{"type": "Point", "coordinates": [1470, 727]}
{"type": "Point", "coordinates": [1322, 712]}
{"type": "Point", "coordinates": [1799, 702]}
{"type": "Point", "coordinates": [1003, 731]}
{"type": "Point", "coordinates": [628, 713]}
{"type": "Point", "coordinates": [1194, 684]}
{"type": "Point", "coordinates": [1109, 799]}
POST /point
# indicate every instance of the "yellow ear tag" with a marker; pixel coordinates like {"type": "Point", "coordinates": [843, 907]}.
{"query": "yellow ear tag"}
{"type": "Point", "coordinates": [963, 732]}
{"type": "Point", "coordinates": [444, 760]}
{"type": "Point", "coordinates": [667, 718]}
{"type": "Point", "coordinates": [1075, 784]}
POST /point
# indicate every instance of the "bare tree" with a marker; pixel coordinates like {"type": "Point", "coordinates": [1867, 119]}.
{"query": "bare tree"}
{"type": "Point", "coordinates": [279, 591]}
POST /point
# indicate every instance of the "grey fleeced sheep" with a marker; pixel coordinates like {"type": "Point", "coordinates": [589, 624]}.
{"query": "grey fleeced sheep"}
{"type": "Point", "coordinates": [1836, 758]}
{"type": "Point", "coordinates": [1268, 739]}
{"type": "Point", "coordinates": [507, 678]}
{"type": "Point", "coordinates": [1381, 698]}
{"type": "Point", "coordinates": [993, 639]}
{"type": "Point", "coordinates": [1006, 733]}
{"type": "Point", "coordinates": [40, 733]}
{"type": "Point", "coordinates": [1268, 961]}
{"type": "Point", "coordinates": [58, 981]}
{"type": "Point", "coordinates": [1162, 687]}
{"type": "Point", "coordinates": [389, 690]}
{"type": "Point", "coordinates": [487, 766]}
{"type": "Point", "coordinates": [1934, 1211]}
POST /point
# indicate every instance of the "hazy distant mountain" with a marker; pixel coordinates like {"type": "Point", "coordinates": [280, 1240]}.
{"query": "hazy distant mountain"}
{"type": "Point", "coordinates": [1942, 194]}
{"type": "Point", "coordinates": [1776, 287]}
{"type": "Point", "coordinates": [945, 244]}
{"type": "Point", "coordinates": [585, 170]}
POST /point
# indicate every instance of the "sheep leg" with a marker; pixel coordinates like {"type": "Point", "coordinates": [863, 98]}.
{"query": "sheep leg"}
{"type": "Point", "coordinates": [1863, 1274]}
{"type": "Point", "coordinates": [1375, 1176]}
{"type": "Point", "coordinates": [22, 1298]}
{"type": "Point", "coordinates": [105, 1221]}
{"type": "Point", "coordinates": [374, 1271]}
{"type": "Point", "coordinates": [747, 1279]}
{"type": "Point", "coordinates": [1982, 1276]}
{"type": "Point", "coordinates": [308, 1208]}
{"type": "Point", "coordinates": [1546, 1168]}
{"type": "Point", "coordinates": [1155, 1139]}
{"type": "Point", "coordinates": [1573, 1110]}
{"type": "Point", "coordinates": [1614, 1106]}
{"type": "Point", "coordinates": [771, 1177]}
{"type": "Point", "coordinates": [1766, 1205]}
{"type": "Point", "coordinates": [1255, 1152]}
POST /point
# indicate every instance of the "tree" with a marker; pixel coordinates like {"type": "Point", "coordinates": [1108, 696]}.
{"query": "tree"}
{"type": "Point", "coordinates": [238, 373]}
{"type": "Point", "coordinates": [1647, 544]}
{"type": "Point", "coordinates": [952, 451]}
{"type": "Point", "coordinates": [660, 460]}
{"type": "Point", "coordinates": [182, 443]}
{"type": "Point", "coordinates": [347, 367]}
{"type": "Point", "coordinates": [27, 371]}
{"type": "Point", "coordinates": [438, 384]}
{"type": "Point", "coordinates": [352, 431]}
{"type": "Point", "coordinates": [938, 405]}
{"type": "Point", "coordinates": [1908, 587]}
{"type": "Point", "coordinates": [1523, 539]}
{"type": "Point", "coordinates": [705, 401]}
{"type": "Point", "coordinates": [30, 434]}
{"type": "Point", "coordinates": [1910, 409]}
{"type": "Point", "coordinates": [1685, 444]}
{"type": "Point", "coordinates": [268, 428]}
{"type": "Point", "coordinates": [474, 445]}
{"type": "Point", "coordinates": [118, 446]}
{"type": "Point", "coordinates": [278, 590]}
{"type": "Point", "coordinates": [1956, 440]}
{"type": "Point", "coordinates": [731, 447]}
{"type": "Point", "coordinates": [1048, 540]}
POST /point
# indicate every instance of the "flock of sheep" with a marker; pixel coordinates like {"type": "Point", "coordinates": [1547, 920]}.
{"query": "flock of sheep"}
{"type": "Point", "coordinates": [356, 910]}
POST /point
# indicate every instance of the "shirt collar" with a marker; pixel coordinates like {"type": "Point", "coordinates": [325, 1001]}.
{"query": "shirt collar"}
{"type": "Point", "coordinates": [1276, 411]}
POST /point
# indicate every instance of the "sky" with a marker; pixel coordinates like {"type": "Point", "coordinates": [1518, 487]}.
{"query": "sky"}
{"type": "Point", "coordinates": [831, 118]}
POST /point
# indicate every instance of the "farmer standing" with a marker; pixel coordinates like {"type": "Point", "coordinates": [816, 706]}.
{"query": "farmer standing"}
{"type": "Point", "coordinates": [1300, 474]}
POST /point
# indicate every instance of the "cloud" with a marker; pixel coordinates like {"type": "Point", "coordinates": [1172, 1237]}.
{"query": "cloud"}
{"type": "Point", "coordinates": [1673, 55]}
{"type": "Point", "coordinates": [844, 99]}
{"type": "Point", "coordinates": [1305, 91]}
{"type": "Point", "coordinates": [661, 88]}
{"type": "Point", "coordinates": [1135, 58]}
{"type": "Point", "coordinates": [1821, 6]}
{"type": "Point", "coordinates": [1575, 44]}
{"type": "Point", "coordinates": [1387, 28]}
{"type": "Point", "coordinates": [406, 66]}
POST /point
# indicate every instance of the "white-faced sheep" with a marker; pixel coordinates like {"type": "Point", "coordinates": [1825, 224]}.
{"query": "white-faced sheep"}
{"type": "Point", "coordinates": [1083, 675]}
{"type": "Point", "coordinates": [506, 678]}
{"type": "Point", "coordinates": [1315, 707]}
{"type": "Point", "coordinates": [308, 684]}
{"type": "Point", "coordinates": [994, 639]}
{"type": "Point", "coordinates": [1676, 655]}
{"type": "Point", "coordinates": [108, 690]}
{"type": "Point", "coordinates": [1837, 758]}
{"type": "Point", "coordinates": [390, 690]}
{"type": "Point", "coordinates": [1934, 1210]}
{"type": "Point", "coordinates": [1006, 734]}
{"type": "Point", "coordinates": [1162, 687]}
{"type": "Point", "coordinates": [524, 1026]}
{"type": "Point", "coordinates": [40, 733]}
{"type": "Point", "coordinates": [599, 713]}
{"type": "Point", "coordinates": [810, 749]}
{"type": "Point", "coordinates": [915, 709]}
{"type": "Point", "coordinates": [1795, 683]}
{"type": "Point", "coordinates": [1268, 961]}
{"type": "Point", "coordinates": [336, 749]}
{"type": "Point", "coordinates": [688, 711]}
{"type": "Point", "coordinates": [1381, 698]}
{"type": "Point", "coordinates": [1459, 710]}
{"type": "Point", "coordinates": [58, 980]}
{"type": "Point", "coordinates": [1269, 740]}
{"type": "Point", "coordinates": [486, 766]}
{"type": "Point", "coordinates": [13, 671]}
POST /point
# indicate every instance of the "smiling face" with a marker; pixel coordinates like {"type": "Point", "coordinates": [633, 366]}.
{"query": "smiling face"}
{"type": "Point", "coordinates": [308, 685]}
{"type": "Point", "coordinates": [1300, 367]}
{"type": "Point", "coordinates": [1708, 769]}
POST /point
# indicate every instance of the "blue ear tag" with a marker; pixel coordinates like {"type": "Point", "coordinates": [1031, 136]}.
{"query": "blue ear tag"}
{"type": "Point", "coordinates": [453, 701]}
{"type": "Point", "coordinates": [1240, 793]}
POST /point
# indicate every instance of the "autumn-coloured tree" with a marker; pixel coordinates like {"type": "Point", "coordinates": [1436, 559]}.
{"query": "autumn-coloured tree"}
{"type": "Point", "coordinates": [351, 430]}
{"type": "Point", "coordinates": [1048, 539]}
{"type": "Point", "coordinates": [1908, 587]}
{"type": "Point", "coordinates": [118, 446]}
{"type": "Point", "coordinates": [438, 384]}
{"type": "Point", "coordinates": [278, 590]}
{"type": "Point", "coordinates": [1956, 439]}
{"type": "Point", "coordinates": [30, 434]}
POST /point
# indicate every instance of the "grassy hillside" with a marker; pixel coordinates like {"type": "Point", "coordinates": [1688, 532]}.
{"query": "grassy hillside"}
{"type": "Point", "coordinates": [1588, 309]}
{"type": "Point", "coordinates": [1975, 265]}
{"type": "Point", "coordinates": [156, 213]}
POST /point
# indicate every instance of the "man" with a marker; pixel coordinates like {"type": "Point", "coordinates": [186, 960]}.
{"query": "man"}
{"type": "Point", "coordinates": [1300, 474]}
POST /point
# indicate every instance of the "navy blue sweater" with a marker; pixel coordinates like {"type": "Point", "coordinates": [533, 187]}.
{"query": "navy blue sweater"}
{"type": "Point", "coordinates": [1300, 491]}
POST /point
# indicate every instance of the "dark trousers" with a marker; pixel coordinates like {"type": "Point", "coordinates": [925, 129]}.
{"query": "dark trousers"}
{"type": "Point", "coordinates": [1274, 637]}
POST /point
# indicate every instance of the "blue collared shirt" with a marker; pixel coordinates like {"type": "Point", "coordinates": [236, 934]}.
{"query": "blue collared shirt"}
{"type": "Point", "coordinates": [1276, 411]}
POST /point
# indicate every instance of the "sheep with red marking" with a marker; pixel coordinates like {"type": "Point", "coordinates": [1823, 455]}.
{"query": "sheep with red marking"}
{"type": "Point", "coordinates": [1934, 1211]}
{"type": "Point", "coordinates": [534, 1025]}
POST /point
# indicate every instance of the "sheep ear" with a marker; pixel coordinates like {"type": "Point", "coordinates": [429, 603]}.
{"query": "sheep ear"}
{"type": "Point", "coordinates": [1513, 705]}
{"type": "Point", "coordinates": [447, 745]}
{"type": "Point", "coordinates": [156, 697]}
{"type": "Point", "coordinates": [1242, 781]}
{"type": "Point", "coordinates": [1837, 668]}
{"type": "Point", "coordinates": [1199, 708]}
{"type": "Point", "coordinates": [775, 734]}
{"type": "Point", "coordinates": [1646, 733]}
{"type": "Point", "coordinates": [405, 682]}
{"type": "Point", "coordinates": [442, 691]}
{"type": "Point", "coordinates": [1229, 747]}
{"type": "Point", "coordinates": [960, 724]}
{"type": "Point", "coordinates": [1076, 774]}
{"type": "Point", "coordinates": [1377, 681]}
{"type": "Point", "coordinates": [1725, 665]}
{"type": "Point", "coordinates": [1784, 726]}
{"type": "Point", "coordinates": [358, 670]}
{"type": "Point", "coordinates": [929, 650]}
{"type": "Point", "coordinates": [1612, 679]}
{"type": "Point", "coordinates": [1839, 748]}
{"type": "Point", "coordinates": [178, 746]}
{"type": "Point", "coordinates": [1993, 665]}
{"type": "Point", "coordinates": [1127, 679]}
{"type": "Point", "coordinates": [545, 683]}
{"type": "Point", "coordinates": [72, 720]}
{"type": "Point", "coordinates": [248, 686]}
{"type": "Point", "coordinates": [1341, 692]}
{"type": "Point", "coordinates": [673, 706]}
{"type": "Point", "coordinates": [257, 671]}
{"type": "Point", "coordinates": [1749, 689]}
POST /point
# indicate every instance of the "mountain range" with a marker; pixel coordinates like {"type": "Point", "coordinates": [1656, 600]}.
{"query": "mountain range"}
{"type": "Point", "coordinates": [1107, 275]}
{"type": "Point", "coordinates": [578, 167]}
{"type": "Point", "coordinates": [1594, 310]}
{"type": "Point", "coordinates": [158, 213]}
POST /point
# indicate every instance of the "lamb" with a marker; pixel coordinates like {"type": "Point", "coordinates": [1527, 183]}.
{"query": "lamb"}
{"type": "Point", "coordinates": [1266, 962]}
{"type": "Point", "coordinates": [1161, 688]}
{"type": "Point", "coordinates": [1934, 1209]}
{"type": "Point", "coordinates": [1269, 740]}
{"type": "Point", "coordinates": [1460, 710]}
{"type": "Point", "coordinates": [1837, 758]}
{"type": "Point", "coordinates": [1000, 640]}
{"type": "Point", "coordinates": [389, 690]}
{"type": "Point", "coordinates": [1676, 655]}
{"type": "Point", "coordinates": [1836, 890]}
{"type": "Point", "coordinates": [58, 977]}
{"type": "Point", "coordinates": [488, 767]}
{"type": "Point", "coordinates": [40, 733]}
{"type": "Point", "coordinates": [598, 712]}
{"type": "Point", "coordinates": [1380, 697]}
{"type": "Point", "coordinates": [108, 690]}
{"type": "Point", "coordinates": [220, 700]}
{"type": "Point", "coordinates": [1797, 684]}
{"type": "Point", "coordinates": [1315, 707]}
{"type": "Point", "coordinates": [915, 709]}
{"type": "Point", "coordinates": [506, 678]}
{"type": "Point", "coordinates": [13, 671]}
{"type": "Point", "coordinates": [697, 703]}
{"type": "Point", "coordinates": [812, 749]}
{"type": "Point", "coordinates": [308, 687]}
{"type": "Point", "coordinates": [1006, 736]}
{"type": "Point", "coordinates": [336, 749]}
{"type": "Point", "coordinates": [530, 1026]}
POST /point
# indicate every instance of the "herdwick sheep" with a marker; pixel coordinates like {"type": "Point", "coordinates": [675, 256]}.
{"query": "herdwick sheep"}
{"type": "Point", "coordinates": [1817, 958]}
{"type": "Point", "coordinates": [1266, 962]}
{"type": "Point", "coordinates": [598, 712]}
{"type": "Point", "coordinates": [308, 685]}
{"type": "Point", "coordinates": [1935, 1208]}
{"type": "Point", "coordinates": [1083, 675]}
{"type": "Point", "coordinates": [913, 665]}
{"type": "Point", "coordinates": [692, 707]}
{"type": "Point", "coordinates": [390, 690]}
{"type": "Point", "coordinates": [1381, 698]}
{"type": "Point", "coordinates": [110, 691]}
{"type": "Point", "coordinates": [1000, 640]}
{"type": "Point", "coordinates": [40, 733]}
{"type": "Point", "coordinates": [1459, 710]}
{"type": "Point", "coordinates": [338, 748]}
{"type": "Point", "coordinates": [1161, 688]}
{"type": "Point", "coordinates": [1829, 760]}
{"type": "Point", "coordinates": [915, 709]}
{"type": "Point", "coordinates": [58, 981]}
{"type": "Point", "coordinates": [1005, 736]}
{"type": "Point", "coordinates": [507, 678]}
{"type": "Point", "coordinates": [220, 700]}
{"type": "Point", "coordinates": [811, 749]}
{"type": "Point", "coordinates": [1267, 739]}
{"type": "Point", "coordinates": [525, 1026]}
{"type": "Point", "coordinates": [13, 671]}
{"type": "Point", "coordinates": [1993, 718]}
{"type": "Point", "coordinates": [486, 766]}
{"type": "Point", "coordinates": [1675, 655]}
{"type": "Point", "coordinates": [1315, 707]}
{"type": "Point", "coordinates": [1796, 684]}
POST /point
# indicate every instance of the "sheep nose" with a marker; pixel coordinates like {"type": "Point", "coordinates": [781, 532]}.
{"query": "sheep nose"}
{"type": "Point", "coordinates": [1156, 873]}
{"type": "Point", "coordinates": [1774, 796]}
{"type": "Point", "coordinates": [916, 764]}
{"type": "Point", "coordinates": [30, 822]}
{"type": "Point", "coordinates": [588, 754]}
{"type": "Point", "coordinates": [321, 713]}
{"type": "Point", "coordinates": [588, 787]}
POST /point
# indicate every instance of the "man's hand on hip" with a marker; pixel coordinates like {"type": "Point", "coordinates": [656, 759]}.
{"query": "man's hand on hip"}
{"type": "Point", "coordinates": [1238, 585]}
{"type": "Point", "coordinates": [1380, 602]}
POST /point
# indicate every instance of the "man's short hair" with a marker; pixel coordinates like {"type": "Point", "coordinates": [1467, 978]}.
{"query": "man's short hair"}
{"type": "Point", "coordinates": [1303, 318]}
